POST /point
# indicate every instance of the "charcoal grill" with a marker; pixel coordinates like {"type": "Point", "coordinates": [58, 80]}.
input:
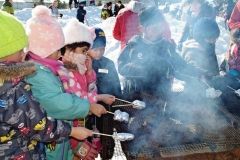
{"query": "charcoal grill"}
{"type": "Point", "coordinates": [211, 143]}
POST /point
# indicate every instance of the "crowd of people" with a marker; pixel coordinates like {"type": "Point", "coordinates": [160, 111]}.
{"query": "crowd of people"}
{"type": "Point", "coordinates": [55, 82]}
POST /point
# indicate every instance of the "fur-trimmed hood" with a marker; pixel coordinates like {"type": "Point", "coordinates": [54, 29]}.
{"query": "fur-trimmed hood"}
{"type": "Point", "coordinates": [16, 70]}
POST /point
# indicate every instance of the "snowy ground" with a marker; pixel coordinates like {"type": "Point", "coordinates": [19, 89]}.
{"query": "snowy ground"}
{"type": "Point", "coordinates": [113, 47]}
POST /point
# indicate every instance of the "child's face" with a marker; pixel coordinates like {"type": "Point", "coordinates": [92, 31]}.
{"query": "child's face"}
{"type": "Point", "coordinates": [81, 50]}
{"type": "Point", "coordinates": [154, 31]}
{"type": "Point", "coordinates": [71, 54]}
{"type": "Point", "coordinates": [96, 53]}
{"type": "Point", "coordinates": [55, 3]}
{"type": "Point", "coordinates": [17, 57]}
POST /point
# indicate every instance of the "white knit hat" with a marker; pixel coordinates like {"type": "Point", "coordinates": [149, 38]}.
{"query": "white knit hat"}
{"type": "Point", "coordinates": [76, 31]}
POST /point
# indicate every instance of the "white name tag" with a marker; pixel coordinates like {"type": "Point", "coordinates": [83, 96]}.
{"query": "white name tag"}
{"type": "Point", "coordinates": [100, 70]}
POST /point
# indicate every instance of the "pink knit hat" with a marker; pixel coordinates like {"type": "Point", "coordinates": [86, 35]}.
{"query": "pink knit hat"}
{"type": "Point", "coordinates": [44, 32]}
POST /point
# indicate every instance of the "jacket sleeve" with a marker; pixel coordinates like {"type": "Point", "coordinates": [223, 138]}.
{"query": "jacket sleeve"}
{"type": "Point", "coordinates": [185, 33]}
{"type": "Point", "coordinates": [183, 70]}
{"type": "Point", "coordinates": [117, 28]}
{"type": "Point", "coordinates": [49, 92]}
{"type": "Point", "coordinates": [30, 119]}
{"type": "Point", "coordinates": [115, 79]}
{"type": "Point", "coordinates": [223, 66]}
{"type": "Point", "coordinates": [235, 16]}
{"type": "Point", "coordinates": [191, 59]}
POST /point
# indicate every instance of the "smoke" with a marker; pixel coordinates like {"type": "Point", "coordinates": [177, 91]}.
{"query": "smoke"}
{"type": "Point", "coordinates": [184, 120]}
{"type": "Point", "coordinates": [171, 119]}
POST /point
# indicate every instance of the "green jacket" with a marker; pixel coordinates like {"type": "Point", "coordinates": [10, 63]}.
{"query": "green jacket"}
{"type": "Point", "coordinates": [8, 7]}
{"type": "Point", "coordinates": [48, 90]}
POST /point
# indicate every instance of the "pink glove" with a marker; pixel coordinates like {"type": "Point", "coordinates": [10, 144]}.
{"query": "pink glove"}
{"type": "Point", "coordinates": [87, 151]}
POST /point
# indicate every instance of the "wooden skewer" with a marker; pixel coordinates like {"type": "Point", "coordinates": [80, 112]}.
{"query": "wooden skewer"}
{"type": "Point", "coordinates": [103, 134]}
{"type": "Point", "coordinates": [206, 83]}
{"type": "Point", "coordinates": [122, 100]}
{"type": "Point", "coordinates": [122, 105]}
{"type": "Point", "coordinates": [110, 112]}
{"type": "Point", "coordinates": [231, 88]}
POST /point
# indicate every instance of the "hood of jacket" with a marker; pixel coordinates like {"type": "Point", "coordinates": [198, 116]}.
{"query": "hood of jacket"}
{"type": "Point", "coordinates": [12, 71]}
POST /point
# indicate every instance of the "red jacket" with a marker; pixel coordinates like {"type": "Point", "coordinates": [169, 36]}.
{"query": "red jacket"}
{"type": "Point", "coordinates": [234, 21]}
{"type": "Point", "coordinates": [126, 26]}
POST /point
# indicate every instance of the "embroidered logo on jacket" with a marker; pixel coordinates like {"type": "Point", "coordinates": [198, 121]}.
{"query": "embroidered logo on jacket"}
{"type": "Point", "coordinates": [22, 99]}
{"type": "Point", "coordinates": [3, 103]}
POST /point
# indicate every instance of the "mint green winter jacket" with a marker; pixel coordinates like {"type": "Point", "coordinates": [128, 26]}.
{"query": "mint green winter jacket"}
{"type": "Point", "coordinates": [48, 91]}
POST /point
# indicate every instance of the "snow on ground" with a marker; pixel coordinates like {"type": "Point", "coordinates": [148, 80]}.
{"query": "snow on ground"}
{"type": "Point", "coordinates": [113, 47]}
{"type": "Point", "coordinates": [93, 19]}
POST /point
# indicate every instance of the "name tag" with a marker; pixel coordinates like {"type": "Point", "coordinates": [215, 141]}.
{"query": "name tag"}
{"type": "Point", "coordinates": [100, 70]}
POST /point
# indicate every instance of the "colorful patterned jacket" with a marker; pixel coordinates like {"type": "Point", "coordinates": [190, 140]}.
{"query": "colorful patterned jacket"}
{"type": "Point", "coordinates": [23, 122]}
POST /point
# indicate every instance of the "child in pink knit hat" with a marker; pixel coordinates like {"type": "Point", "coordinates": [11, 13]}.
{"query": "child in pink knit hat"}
{"type": "Point", "coordinates": [46, 40]}
{"type": "Point", "coordinates": [23, 123]}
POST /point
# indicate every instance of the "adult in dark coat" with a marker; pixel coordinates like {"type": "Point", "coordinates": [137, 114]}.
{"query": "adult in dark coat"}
{"type": "Point", "coordinates": [109, 9]}
{"type": "Point", "coordinates": [118, 6]}
{"type": "Point", "coordinates": [148, 62]}
{"type": "Point", "coordinates": [81, 13]}
{"type": "Point", "coordinates": [200, 51]}
{"type": "Point", "coordinates": [199, 9]}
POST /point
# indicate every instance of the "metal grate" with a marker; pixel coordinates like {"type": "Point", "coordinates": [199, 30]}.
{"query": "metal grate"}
{"type": "Point", "coordinates": [210, 143]}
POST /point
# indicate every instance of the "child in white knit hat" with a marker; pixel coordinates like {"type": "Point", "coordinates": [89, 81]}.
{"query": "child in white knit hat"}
{"type": "Point", "coordinates": [78, 39]}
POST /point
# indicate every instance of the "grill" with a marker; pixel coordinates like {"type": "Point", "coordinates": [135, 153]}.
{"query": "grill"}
{"type": "Point", "coordinates": [211, 145]}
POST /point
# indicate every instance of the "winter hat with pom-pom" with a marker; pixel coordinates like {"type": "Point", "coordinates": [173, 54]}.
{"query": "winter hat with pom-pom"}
{"type": "Point", "coordinates": [44, 32]}
{"type": "Point", "coordinates": [13, 37]}
{"type": "Point", "coordinates": [76, 32]}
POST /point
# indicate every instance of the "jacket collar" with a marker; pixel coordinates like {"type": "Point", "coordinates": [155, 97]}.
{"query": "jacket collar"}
{"type": "Point", "coordinates": [12, 71]}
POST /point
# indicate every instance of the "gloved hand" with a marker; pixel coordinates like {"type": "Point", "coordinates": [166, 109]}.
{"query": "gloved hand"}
{"type": "Point", "coordinates": [87, 151]}
{"type": "Point", "coordinates": [222, 73]}
{"type": "Point", "coordinates": [213, 93]}
{"type": "Point", "coordinates": [51, 145]}
{"type": "Point", "coordinates": [60, 15]}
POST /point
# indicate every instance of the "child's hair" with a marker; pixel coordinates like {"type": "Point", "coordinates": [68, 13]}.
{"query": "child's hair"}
{"type": "Point", "coordinates": [73, 46]}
